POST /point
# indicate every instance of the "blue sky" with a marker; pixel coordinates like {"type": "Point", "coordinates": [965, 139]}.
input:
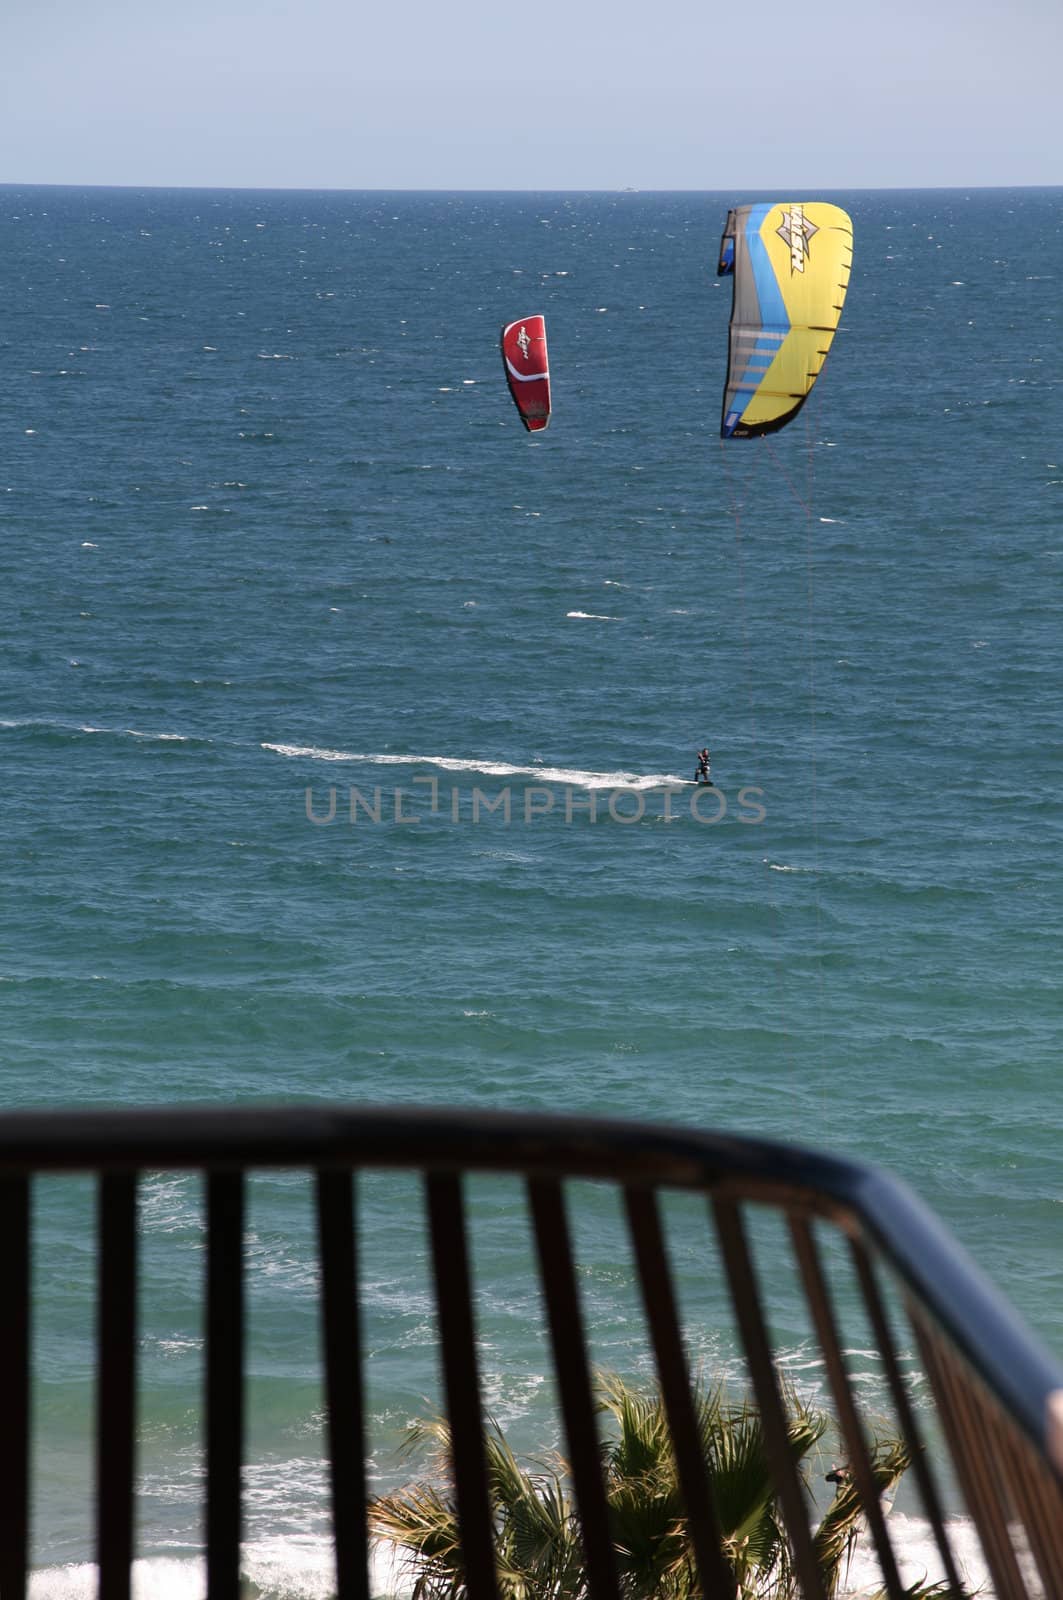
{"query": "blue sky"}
{"type": "Point", "coordinates": [566, 94]}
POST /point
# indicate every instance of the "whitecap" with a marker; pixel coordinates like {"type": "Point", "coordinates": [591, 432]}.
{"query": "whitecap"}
{"type": "Point", "coordinates": [917, 1556]}
{"type": "Point", "coordinates": [592, 616]}
{"type": "Point", "coordinates": [159, 1578]}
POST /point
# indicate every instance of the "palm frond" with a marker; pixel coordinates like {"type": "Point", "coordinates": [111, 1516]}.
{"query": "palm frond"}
{"type": "Point", "coordinates": [538, 1547]}
{"type": "Point", "coordinates": [424, 1527]}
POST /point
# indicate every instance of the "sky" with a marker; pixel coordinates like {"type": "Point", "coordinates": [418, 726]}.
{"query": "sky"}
{"type": "Point", "coordinates": [565, 94]}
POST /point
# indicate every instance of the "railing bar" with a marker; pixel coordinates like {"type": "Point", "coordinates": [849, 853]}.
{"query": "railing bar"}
{"type": "Point", "coordinates": [1045, 1513]}
{"type": "Point", "coordinates": [902, 1404]}
{"type": "Point", "coordinates": [568, 1341]}
{"type": "Point", "coordinates": [342, 1343]}
{"type": "Point", "coordinates": [1048, 1502]}
{"type": "Point", "coordinates": [225, 1407]}
{"type": "Point", "coordinates": [971, 1467]}
{"type": "Point", "coordinates": [746, 1299]}
{"type": "Point", "coordinates": [116, 1389]}
{"type": "Point", "coordinates": [958, 1442]}
{"type": "Point", "coordinates": [984, 1428]}
{"type": "Point", "coordinates": [953, 1408]}
{"type": "Point", "coordinates": [658, 1297]}
{"type": "Point", "coordinates": [15, 1365]}
{"type": "Point", "coordinates": [975, 1418]}
{"type": "Point", "coordinates": [450, 1261]}
{"type": "Point", "coordinates": [859, 1461]}
{"type": "Point", "coordinates": [1023, 1497]}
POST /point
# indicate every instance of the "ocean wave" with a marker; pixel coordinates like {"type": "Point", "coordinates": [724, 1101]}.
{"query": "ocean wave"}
{"type": "Point", "coordinates": [573, 777]}
{"type": "Point", "coordinates": [294, 1568]}
{"type": "Point", "coordinates": [917, 1555]}
{"type": "Point", "coordinates": [302, 1567]}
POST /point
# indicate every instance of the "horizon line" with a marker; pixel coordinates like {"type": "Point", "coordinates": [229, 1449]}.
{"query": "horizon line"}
{"type": "Point", "coordinates": [634, 189]}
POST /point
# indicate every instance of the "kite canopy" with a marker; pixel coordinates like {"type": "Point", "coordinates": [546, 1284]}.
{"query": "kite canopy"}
{"type": "Point", "coordinates": [528, 370]}
{"type": "Point", "coordinates": [791, 267]}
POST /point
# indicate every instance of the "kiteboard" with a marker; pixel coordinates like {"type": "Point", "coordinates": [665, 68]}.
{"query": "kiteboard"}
{"type": "Point", "coordinates": [527, 370]}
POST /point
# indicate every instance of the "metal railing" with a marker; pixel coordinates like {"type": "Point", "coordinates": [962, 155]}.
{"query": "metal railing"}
{"type": "Point", "coordinates": [992, 1393]}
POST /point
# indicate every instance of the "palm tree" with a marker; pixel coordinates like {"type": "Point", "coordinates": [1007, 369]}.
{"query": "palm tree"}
{"type": "Point", "coordinates": [641, 1484]}
{"type": "Point", "coordinates": [539, 1553]}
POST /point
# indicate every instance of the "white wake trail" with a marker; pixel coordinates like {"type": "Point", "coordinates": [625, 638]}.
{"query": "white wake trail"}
{"type": "Point", "coordinates": [572, 777]}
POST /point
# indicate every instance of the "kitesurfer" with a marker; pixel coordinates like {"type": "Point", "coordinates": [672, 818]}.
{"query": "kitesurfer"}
{"type": "Point", "coordinates": [701, 775]}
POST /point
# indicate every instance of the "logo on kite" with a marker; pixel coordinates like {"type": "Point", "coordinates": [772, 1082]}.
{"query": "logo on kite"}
{"type": "Point", "coordinates": [796, 233]}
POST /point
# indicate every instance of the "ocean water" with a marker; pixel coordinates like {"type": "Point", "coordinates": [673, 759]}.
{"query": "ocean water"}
{"type": "Point", "coordinates": [339, 719]}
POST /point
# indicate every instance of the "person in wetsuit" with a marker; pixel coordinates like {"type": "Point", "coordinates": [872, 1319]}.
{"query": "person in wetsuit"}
{"type": "Point", "coordinates": [702, 773]}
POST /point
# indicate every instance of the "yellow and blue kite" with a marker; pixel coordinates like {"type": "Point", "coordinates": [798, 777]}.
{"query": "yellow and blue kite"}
{"type": "Point", "coordinates": [791, 266]}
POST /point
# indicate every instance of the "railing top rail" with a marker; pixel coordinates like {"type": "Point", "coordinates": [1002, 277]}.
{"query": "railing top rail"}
{"type": "Point", "coordinates": [196, 1137]}
{"type": "Point", "coordinates": [862, 1199]}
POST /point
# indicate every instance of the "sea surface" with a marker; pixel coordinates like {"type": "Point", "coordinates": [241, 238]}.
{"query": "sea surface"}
{"type": "Point", "coordinates": [289, 599]}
